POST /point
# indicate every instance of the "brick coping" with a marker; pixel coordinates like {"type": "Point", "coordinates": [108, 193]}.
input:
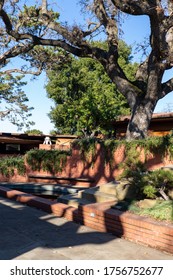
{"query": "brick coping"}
{"type": "Point", "coordinates": [100, 216]}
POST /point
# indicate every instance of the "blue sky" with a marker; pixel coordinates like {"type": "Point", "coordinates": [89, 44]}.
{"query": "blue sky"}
{"type": "Point", "coordinates": [135, 30]}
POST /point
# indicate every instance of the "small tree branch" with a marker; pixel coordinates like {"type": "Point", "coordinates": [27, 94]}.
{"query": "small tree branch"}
{"type": "Point", "coordinates": [89, 32]}
{"type": "Point", "coordinates": [163, 194]}
{"type": "Point", "coordinates": [167, 87]}
{"type": "Point", "coordinates": [3, 114]}
{"type": "Point", "coordinates": [44, 7]}
{"type": "Point", "coordinates": [35, 73]}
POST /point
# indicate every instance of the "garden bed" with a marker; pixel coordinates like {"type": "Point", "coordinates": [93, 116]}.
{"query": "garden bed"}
{"type": "Point", "coordinates": [157, 209]}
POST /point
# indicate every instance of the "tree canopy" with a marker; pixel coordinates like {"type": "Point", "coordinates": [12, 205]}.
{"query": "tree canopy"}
{"type": "Point", "coordinates": [85, 99]}
{"type": "Point", "coordinates": [25, 28]}
{"type": "Point", "coordinates": [33, 132]}
{"type": "Point", "coordinates": [13, 101]}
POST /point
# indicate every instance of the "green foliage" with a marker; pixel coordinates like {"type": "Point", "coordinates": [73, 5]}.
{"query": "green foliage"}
{"type": "Point", "coordinates": [132, 161]}
{"type": "Point", "coordinates": [150, 184]}
{"type": "Point", "coordinates": [147, 184]}
{"type": "Point", "coordinates": [158, 180]}
{"type": "Point", "coordinates": [85, 98]}
{"type": "Point", "coordinates": [151, 146]}
{"type": "Point", "coordinates": [132, 150]}
{"type": "Point", "coordinates": [30, 19]}
{"type": "Point", "coordinates": [149, 190]}
{"type": "Point", "coordinates": [124, 60]}
{"type": "Point", "coordinates": [51, 161]}
{"type": "Point", "coordinates": [9, 164]}
{"type": "Point", "coordinates": [34, 132]}
{"type": "Point", "coordinates": [161, 211]}
{"type": "Point", "coordinates": [13, 101]}
{"type": "Point", "coordinates": [109, 147]}
{"type": "Point", "coordinates": [87, 148]}
{"type": "Point", "coordinates": [159, 145]}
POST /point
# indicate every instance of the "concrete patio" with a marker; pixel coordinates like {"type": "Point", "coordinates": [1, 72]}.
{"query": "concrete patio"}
{"type": "Point", "coordinates": [27, 233]}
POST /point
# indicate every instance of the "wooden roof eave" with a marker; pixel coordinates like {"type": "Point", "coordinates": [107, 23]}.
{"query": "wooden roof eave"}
{"type": "Point", "coordinates": [9, 140]}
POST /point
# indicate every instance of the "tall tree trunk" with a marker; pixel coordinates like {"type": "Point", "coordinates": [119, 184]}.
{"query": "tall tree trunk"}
{"type": "Point", "coordinates": [140, 119]}
{"type": "Point", "coordinates": [143, 108]}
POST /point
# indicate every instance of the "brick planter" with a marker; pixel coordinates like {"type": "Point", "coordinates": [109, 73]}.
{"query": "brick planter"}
{"type": "Point", "coordinates": [101, 217]}
{"type": "Point", "coordinates": [124, 224]}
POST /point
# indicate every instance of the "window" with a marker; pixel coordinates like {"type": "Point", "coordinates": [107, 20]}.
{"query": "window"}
{"type": "Point", "coordinates": [13, 147]}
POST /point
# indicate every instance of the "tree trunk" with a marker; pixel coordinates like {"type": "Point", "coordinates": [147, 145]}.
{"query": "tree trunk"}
{"type": "Point", "coordinates": [163, 194]}
{"type": "Point", "coordinates": [140, 120]}
{"type": "Point", "coordinates": [143, 108]}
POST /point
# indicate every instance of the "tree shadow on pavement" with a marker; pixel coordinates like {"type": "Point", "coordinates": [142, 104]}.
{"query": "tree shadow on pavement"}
{"type": "Point", "coordinates": [24, 229]}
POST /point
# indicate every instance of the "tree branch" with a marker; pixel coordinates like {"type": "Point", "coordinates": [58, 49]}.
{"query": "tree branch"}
{"type": "Point", "coordinates": [3, 114]}
{"type": "Point", "coordinates": [91, 31]}
{"type": "Point", "coordinates": [167, 87]}
{"type": "Point", "coordinates": [135, 7]}
{"type": "Point", "coordinates": [108, 22]}
{"type": "Point", "coordinates": [15, 51]}
{"type": "Point", "coordinates": [44, 7]}
{"type": "Point", "coordinates": [6, 20]}
{"type": "Point", "coordinates": [35, 73]}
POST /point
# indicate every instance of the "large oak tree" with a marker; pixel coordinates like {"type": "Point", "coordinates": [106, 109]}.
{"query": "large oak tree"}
{"type": "Point", "coordinates": [22, 30]}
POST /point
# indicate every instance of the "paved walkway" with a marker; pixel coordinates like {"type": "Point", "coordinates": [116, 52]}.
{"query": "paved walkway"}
{"type": "Point", "coordinates": [29, 234]}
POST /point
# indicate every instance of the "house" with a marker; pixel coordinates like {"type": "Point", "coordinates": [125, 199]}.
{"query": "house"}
{"type": "Point", "coordinates": [161, 124]}
{"type": "Point", "coordinates": [15, 143]}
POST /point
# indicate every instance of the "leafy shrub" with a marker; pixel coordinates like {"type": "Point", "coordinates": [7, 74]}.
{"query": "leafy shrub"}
{"type": "Point", "coordinates": [151, 184]}
{"type": "Point", "coordinates": [159, 181]}
{"type": "Point", "coordinates": [150, 191]}
{"type": "Point", "coordinates": [9, 164]}
{"type": "Point", "coordinates": [51, 161]}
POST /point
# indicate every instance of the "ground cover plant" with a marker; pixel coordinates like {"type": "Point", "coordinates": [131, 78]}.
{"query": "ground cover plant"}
{"type": "Point", "coordinates": [162, 210]}
{"type": "Point", "coordinates": [9, 164]}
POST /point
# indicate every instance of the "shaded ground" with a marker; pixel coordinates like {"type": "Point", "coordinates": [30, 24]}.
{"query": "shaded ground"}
{"type": "Point", "coordinates": [28, 233]}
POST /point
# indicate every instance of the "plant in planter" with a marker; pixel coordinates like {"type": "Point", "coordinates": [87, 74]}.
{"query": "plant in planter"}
{"type": "Point", "coordinates": [51, 161]}
{"type": "Point", "coordinates": [8, 165]}
{"type": "Point", "coordinates": [158, 182]}
{"type": "Point", "coordinates": [150, 184]}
